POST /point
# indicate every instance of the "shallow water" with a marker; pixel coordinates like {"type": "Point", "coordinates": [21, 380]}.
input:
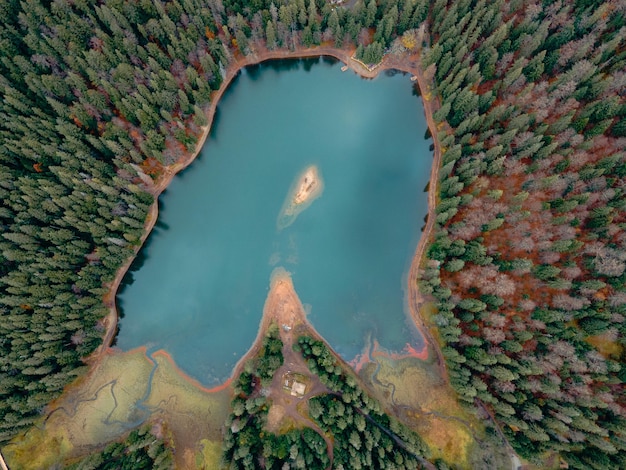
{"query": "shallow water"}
{"type": "Point", "coordinates": [204, 274]}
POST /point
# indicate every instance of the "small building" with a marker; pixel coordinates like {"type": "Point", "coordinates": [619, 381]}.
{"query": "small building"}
{"type": "Point", "coordinates": [295, 384]}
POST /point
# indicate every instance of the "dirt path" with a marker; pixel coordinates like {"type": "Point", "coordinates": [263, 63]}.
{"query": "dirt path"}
{"type": "Point", "coordinates": [3, 464]}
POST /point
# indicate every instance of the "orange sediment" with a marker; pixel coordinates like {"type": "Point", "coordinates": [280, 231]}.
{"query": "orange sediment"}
{"type": "Point", "coordinates": [408, 351]}
{"type": "Point", "coordinates": [412, 352]}
{"type": "Point", "coordinates": [370, 352]}
{"type": "Point", "coordinates": [360, 361]}
{"type": "Point", "coordinates": [163, 354]}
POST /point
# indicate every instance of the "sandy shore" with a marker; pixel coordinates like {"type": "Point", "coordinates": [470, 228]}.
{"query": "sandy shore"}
{"type": "Point", "coordinates": [409, 64]}
{"type": "Point", "coordinates": [306, 189]}
{"type": "Point", "coordinates": [309, 186]}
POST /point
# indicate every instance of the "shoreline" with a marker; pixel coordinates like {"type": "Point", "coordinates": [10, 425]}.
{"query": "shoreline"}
{"type": "Point", "coordinates": [415, 298]}
{"type": "Point", "coordinates": [408, 64]}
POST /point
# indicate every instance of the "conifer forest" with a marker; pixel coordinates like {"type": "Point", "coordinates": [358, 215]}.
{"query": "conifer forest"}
{"type": "Point", "coordinates": [525, 265]}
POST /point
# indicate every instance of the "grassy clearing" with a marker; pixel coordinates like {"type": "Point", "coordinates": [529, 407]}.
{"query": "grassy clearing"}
{"type": "Point", "coordinates": [36, 449]}
{"type": "Point", "coordinates": [193, 416]}
{"type": "Point", "coordinates": [112, 399]}
{"type": "Point", "coordinates": [607, 346]}
{"type": "Point", "coordinates": [421, 398]}
{"type": "Point", "coordinates": [89, 414]}
{"type": "Point", "coordinates": [209, 456]}
{"type": "Point", "coordinates": [428, 405]}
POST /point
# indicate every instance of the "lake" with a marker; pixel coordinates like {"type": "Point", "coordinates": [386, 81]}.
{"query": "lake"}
{"type": "Point", "coordinates": [200, 282]}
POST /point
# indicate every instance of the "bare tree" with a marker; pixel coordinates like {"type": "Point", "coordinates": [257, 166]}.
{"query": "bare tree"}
{"type": "Point", "coordinates": [493, 335]}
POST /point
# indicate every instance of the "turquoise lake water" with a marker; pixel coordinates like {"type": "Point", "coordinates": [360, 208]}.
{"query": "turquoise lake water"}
{"type": "Point", "coordinates": [201, 281]}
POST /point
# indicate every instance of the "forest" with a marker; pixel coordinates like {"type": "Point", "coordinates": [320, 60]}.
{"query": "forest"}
{"type": "Point", "coordinates": [140, 450]}
{"type": "Point", "coordinates": [527, 263]}
{"type": "Point", "coordinates": [528, 260]}
{"type": "Point", "coordinates": [363, 435]}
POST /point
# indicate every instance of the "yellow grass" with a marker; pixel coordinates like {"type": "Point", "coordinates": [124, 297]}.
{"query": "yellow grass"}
{"type": "Point", "coordinates": [110, 401]}
{"type": "Point", "coordinates": [209, 456]}
{"type": "Point", "coordinates": [90, 414]}
{"type": "Point", "coordinates": [606, 346]}
{"type": "Point", "coordinates": [192, 415]}
{"type": "Point", "coordinates": [434, 413]}
{"type": "Point", "coordinates": [36, 449]}
{"type": "Point", "coordinates": [427, 311]}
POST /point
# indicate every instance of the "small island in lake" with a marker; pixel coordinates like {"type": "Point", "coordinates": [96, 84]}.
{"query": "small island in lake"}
{"type": "Point", "coordinates": [307, 187]}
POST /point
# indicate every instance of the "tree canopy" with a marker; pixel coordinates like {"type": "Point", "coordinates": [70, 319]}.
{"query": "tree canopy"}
{"type": "Point", "coordinates": [527, 261]}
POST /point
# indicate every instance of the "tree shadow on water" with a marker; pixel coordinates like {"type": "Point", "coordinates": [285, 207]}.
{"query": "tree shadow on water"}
{"type": "Point", "coordinates": [416, 90]}
{"type": "Point", "coordinates": [282, 65]}
{"type": "Point", "coordinates": [328, 60]}
{"type": "Point", "coordinates": [139, 261]}
{"type": "Point", "coordinates": [394, 72]}
{"type": "Point", "coordinates": [213, 133]}
{"type": "Point", "coordinates": [143, 253]}
{"type": "Point", "coordinates": [254, 71]}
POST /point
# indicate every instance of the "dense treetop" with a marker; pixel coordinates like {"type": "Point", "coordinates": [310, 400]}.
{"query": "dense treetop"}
{"type": "Point", "coordinates": [95, 95]}
{"type": "Point", "coordinates": [138, 451]}
{"type": "Point", "coordinates": [528, 261]}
